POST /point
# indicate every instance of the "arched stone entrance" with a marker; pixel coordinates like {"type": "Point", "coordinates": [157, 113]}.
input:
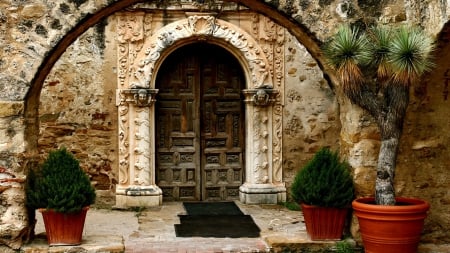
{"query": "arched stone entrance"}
{"type": "Point", "coordinates": [136, 95]}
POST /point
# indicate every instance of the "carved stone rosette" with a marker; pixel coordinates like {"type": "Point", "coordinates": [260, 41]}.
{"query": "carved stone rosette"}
{"type": "Point", "coordinates": [136, 144]}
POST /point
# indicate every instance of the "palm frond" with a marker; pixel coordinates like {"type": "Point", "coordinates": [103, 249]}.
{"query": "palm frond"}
{"type": "Point", "coordinates": [381, 38]}
{"type": "Point", "coordinates": [410, 55]}
{"type": "Point", "coordinates": [346, 53]}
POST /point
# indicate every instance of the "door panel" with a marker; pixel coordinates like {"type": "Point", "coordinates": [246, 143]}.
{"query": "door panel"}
{"type": "Point", "coordinates": [221, 141]}
{"type": "Point", "coordinates": [200, 135]}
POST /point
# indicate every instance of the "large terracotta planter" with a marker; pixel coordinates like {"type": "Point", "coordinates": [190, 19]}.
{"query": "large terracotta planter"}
{"type": "Point", "coordinates": [391, 229]}
{"type": "Point", "coordinates": [324, 223]}
{"type": "Point", "coordinates": [62, 228]}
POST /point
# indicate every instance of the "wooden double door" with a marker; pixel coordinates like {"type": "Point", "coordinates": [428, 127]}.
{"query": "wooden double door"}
{"type": "Point", "coordinates": [199, 125]}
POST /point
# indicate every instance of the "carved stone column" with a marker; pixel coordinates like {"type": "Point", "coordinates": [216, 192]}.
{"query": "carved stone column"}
{"type": "Point", "coordinates": [136, 185]}
{"type": "Point", "coordinates": [260, 186]}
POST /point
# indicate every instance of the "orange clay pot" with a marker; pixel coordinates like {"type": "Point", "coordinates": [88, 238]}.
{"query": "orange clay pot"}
{"type": "Point", "coordinates": [391, 229]}
{"type": "Point", "coordinates": [324, 223]}
{"type": "Point", "coordinates": [63, 228]}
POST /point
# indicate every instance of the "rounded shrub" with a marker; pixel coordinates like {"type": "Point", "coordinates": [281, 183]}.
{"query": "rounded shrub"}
{"type": "Point", "coordinates": [324, 181]}
{"type": "Point", "coordinates": [59, 184]}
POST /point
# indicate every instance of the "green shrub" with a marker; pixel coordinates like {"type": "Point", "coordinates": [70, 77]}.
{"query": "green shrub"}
{"type": "Point", "coordinates": [59, 184]}
{"type": "Point", "coordinates": [293, 206]}
{"type": "Point", "coordinates": [324, 181]}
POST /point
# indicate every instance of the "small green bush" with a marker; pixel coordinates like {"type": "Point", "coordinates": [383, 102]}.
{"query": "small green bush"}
{"type": "Point", "coordinates": [324, 181]}
{"type": "Point", "coordinates": [59, 184]}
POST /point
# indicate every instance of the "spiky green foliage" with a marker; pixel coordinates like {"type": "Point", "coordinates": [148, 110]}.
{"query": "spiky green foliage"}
{"type": "Point", "coordinates": [324, 181]}
{"type": "Point", "coordinates": [409, 55]}
{"type": "Point", "coordinates": [59, 184]}
{"type": "Point", "coordinates": [346, 53]}
{"type": "Point", "coordinates": [376, 68]}
{"type": "Point", "coordinates": [400, 55]}
{"type": "Point", "coordinates": [380, 49]}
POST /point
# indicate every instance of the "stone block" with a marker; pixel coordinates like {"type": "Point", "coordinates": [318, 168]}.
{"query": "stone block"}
{"type": "Point", "coordinates": [124, 201]}
{"type": "Point", "coordinates": [11, 108]}
{"type": "Point", "coordinates": [91, 244]}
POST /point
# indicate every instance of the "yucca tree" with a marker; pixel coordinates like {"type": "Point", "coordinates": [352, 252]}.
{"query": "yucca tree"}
{"type": "Point", "coordinates": [376, 68]}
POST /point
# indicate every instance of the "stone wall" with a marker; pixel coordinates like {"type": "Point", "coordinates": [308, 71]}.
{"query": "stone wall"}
{"type": "Point", "coordinates": [311, 112]}
{"type": "Point", "coordinates": [77, 108]}
{"type": "Point", "coordinates": [32, 36]}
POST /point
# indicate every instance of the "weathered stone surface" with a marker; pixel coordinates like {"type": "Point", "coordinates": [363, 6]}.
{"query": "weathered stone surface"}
{"type": "Point", "coordinates": [13, 215]}
{"type": "Point", "coordinates": [91, 244]}
{"type": "Point", "coordinates": [10, 108]}
{"type": "Point", "coordinates": [311, 111]}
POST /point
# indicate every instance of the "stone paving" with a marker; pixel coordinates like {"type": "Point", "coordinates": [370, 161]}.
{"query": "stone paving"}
{"type": "Point", "coordinates": [152, 230]}
{"type": "Point", "coordinates": [156, 231]}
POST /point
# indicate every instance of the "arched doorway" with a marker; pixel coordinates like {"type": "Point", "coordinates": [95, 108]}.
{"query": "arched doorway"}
{"type": "Point", "coordinates": [199, 118]}
{"type": "Point", "coordinates": [138, 91]}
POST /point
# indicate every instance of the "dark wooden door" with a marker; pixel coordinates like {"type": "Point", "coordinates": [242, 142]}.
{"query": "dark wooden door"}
{"type": "Point", "coordinates": [199, 125]}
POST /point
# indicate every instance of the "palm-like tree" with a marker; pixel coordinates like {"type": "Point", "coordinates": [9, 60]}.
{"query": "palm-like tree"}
{"type": "Point", "coordinates": [376, 69]}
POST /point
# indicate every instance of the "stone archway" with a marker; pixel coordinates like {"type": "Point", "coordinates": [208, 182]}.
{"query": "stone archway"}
{"type": "Point", "coordinates": [139, 63]}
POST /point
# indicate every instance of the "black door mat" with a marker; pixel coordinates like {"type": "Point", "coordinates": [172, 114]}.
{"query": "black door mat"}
{"type": "Point", "coordinates": [212, 208]}
{"type": "Point", "coordinates": [215, 219]}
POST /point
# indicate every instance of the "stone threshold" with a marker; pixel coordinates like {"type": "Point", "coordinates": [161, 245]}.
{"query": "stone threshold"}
{"type": "Point", "coordinates": [90, 244]}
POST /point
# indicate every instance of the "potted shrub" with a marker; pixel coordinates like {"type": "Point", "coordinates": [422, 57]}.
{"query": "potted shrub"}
{"type": "Point", "coordinates": [324, 189]}
{"type": "Point", "coordinates": [62, 192]}
{"type": "Point", "coordinates": [376, 68]}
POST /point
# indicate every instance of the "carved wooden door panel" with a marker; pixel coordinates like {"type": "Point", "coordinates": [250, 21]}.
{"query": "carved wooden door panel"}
{"type": "Point", "coordinates": [222, 135]}
{"type": "Point", "coordinates": [199, 125]}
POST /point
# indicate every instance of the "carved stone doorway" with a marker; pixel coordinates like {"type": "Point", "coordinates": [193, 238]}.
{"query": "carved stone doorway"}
{"type": "Point", "coordinates": [199, 116]}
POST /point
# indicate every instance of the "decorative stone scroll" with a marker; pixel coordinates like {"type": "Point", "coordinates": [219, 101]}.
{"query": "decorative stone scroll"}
{"type": "Point", "coordinates": [131, 31]}
{"type": "Point", "coordinates": [260, 185]}
{"type": "Point", "coordinates": [272, 39]}
{"type": "Point", "coordinates": [202, 26]}
{"type": "Point", "coordinates": [136, 157]}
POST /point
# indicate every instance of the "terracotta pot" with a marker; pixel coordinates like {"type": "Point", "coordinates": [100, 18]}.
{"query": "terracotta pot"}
{"type": "Point", "coordinates": [63, 228]}
{"type": "Point", "coordinates": [391, 229]}
{"type": "Point", "coordinates": [324, 223]}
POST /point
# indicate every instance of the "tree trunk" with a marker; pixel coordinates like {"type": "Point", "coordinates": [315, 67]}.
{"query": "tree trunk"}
{"type": "Point", "coordinates": [390, 122]}
{"type": "Point", "coordinates": [389, 110]}
{"type": "Point", "coordinates": [384, 185]}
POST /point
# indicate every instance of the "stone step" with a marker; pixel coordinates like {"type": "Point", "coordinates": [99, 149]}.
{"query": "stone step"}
{"type": "Point", "coordinates": [90, 244]}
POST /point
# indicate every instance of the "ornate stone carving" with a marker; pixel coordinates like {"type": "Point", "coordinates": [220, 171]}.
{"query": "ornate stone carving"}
{"type": "Point", "coordinates": [202, 27]}
{"type": "Point", "coordinates": [262, 56]}
{"type": "Point", "coordinates": [271, 37]}
{"type": "Point", "coordinates": [258, 101]}
{"type": "Point", "coordinates": [134, 113]}
{"type": "Point", "coordinates": [132, 28]}
{"type": "Point", "coordinates": [138, 97]}
{"type": "Point", "coordinates": [260, 142]}
{"type": "Point", "coordinates": [261, 97]}
{"type": "Point", "coordinates": [142, 159]}
{"type": "Point", "coordinates": [123, 144]}
{"type": "Point", "coordinates": [277, 144]}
